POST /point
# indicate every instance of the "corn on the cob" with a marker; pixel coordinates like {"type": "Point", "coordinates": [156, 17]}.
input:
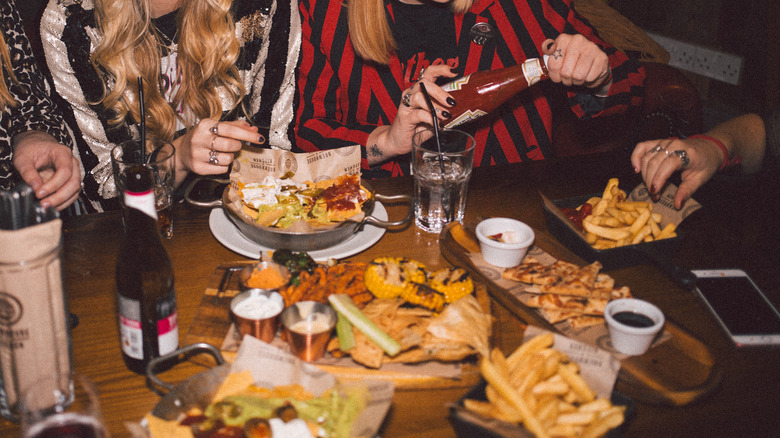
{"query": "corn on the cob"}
{"type": "Point", "coordinates": [390, 277]}
{"type": "Point", "coordinates": [453, 283]}
{"type": "Point", "coordinates": [424, 296]}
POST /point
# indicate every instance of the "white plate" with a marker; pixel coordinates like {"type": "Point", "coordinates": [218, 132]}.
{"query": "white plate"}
{"type": "Point", "coordinates": [226, 232]}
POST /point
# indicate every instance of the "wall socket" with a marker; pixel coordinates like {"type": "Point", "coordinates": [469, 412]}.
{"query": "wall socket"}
{"type": "Point", "coordinates": [701, 60]}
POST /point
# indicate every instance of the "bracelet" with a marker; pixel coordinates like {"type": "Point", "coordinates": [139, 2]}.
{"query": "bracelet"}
{"type": "Point", "coordinates": [726, 161]}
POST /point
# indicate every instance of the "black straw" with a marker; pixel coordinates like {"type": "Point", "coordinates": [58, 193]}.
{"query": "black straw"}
{"type": "Point", "coordinates": [435, 125]}
{"type": "Point", "coordinates": [143, 118]}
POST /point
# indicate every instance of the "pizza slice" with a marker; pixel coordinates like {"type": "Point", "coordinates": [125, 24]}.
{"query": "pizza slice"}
{"type": "Point", "coordinates": [582, 321]}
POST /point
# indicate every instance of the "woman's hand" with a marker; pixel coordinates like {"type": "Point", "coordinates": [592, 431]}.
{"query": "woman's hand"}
{"type": "Point", "coordinates": [657, 160]}
{"type": "Point", "coordinates": [576, 61]}
{"type": "Point", "coordinates": [48, 167]}
{"type": "Point", "coordinates": [210, 146]}
{"type": "Point", "coordinates": [396, 139]}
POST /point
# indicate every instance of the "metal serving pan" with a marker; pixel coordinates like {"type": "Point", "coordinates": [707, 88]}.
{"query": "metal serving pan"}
{"type": "Point", "coordinates": [314, 238]}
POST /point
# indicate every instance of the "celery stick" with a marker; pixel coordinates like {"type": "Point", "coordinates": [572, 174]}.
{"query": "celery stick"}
{"type": "Point", "coordinates": [344, 332]}
{"type": "Point", "coordinates": [345, 306]}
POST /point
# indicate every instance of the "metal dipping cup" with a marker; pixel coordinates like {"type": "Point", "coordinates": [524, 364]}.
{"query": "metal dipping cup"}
{"type": "Point", "coordinates": [307, 327]}
{"type": "Point", "coordinates": [441, 180]}
{"type": "Point", "coordinates": [256, 312]}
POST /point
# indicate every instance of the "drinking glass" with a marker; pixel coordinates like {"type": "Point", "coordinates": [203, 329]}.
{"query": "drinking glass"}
{"type": "Point", "coordinates": [48, 411]}
{"type": "Point", "coordinates": [441, 179]}
{"type": "Point", "coordinates": [159, 157]}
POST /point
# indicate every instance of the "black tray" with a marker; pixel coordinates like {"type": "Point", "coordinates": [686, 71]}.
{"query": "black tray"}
{"type": "Point", "coordinates": [658, 252]}
{"type": "Point", "coordinates": [468, 424]}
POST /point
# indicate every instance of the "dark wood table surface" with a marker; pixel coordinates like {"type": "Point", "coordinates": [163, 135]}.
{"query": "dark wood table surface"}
{"type": "Point", "coordinates": [734, 230]}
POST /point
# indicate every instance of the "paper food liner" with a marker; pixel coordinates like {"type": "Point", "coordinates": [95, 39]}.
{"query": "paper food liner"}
{"type": "Point", "coordinates": [447, 370]}
{"type": "Point", "coordinates": [34, 322]}
{"type": "Point", "coordinates": [252, 165]}
{"type": "Point", "coordinates": [271, 367]}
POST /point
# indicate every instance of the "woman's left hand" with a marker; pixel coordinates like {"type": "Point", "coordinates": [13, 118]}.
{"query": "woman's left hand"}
{"type": "Point", "coordinates": [210, 146]}
{"type": "Point", "coordinates": [576, 61]}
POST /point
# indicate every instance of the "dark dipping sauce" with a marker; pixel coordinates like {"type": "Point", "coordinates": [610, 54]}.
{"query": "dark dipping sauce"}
{"type": "Point", "coordinates": [633, 319]}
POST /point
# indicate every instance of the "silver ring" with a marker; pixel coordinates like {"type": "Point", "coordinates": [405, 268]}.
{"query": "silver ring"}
{"type": "Point", "coordinates": [683, 158]}
{"type": "Point", "coordinates": [657, 148]}
{"type": "Point", "coordinates": [668, 152]}
{"type": "Point", "coordinates": [422, 72]}
{"type": "Point", "coordinates": [213, 158]}
{"type": "Point", "coordinates": [215, 129]}
{"type": "Point", "coordinates": [407, 100]}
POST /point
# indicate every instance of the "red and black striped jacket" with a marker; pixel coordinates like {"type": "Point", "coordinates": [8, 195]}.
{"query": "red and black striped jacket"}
{"type": "Point", "coordinates": [342, 98]}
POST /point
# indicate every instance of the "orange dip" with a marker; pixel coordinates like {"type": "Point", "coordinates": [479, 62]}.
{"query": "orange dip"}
{"type": "Point", "coordinates": [266, 278]}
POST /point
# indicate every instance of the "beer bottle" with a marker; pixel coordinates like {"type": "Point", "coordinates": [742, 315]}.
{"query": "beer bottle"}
{"type": "Point", "coordinates": [482, 92]}
{"type": "Point", "coordinates": [146, 299]}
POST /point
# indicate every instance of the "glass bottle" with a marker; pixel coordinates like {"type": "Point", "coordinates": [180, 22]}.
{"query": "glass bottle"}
{"type": "Point", "coordinates": [146, 299]}
{"type": "Point", "coordinates": [482, 92]}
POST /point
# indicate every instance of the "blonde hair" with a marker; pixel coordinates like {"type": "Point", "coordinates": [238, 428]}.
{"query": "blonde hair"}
{"type": "Point", "coordinates": [370, 32]}
{"type": "Point", "coordinates": [6, 98]}
{"type": "Point", "coordinates": [131, 48]}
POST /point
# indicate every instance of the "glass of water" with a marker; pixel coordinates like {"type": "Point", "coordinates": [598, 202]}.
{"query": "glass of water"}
{"type": "Point", "coordinates": [441, 179]}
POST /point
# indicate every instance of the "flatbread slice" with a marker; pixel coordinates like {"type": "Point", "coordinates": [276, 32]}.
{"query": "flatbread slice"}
{"type": "Point", "coordinates": [582, 321]}
{"type": "Point", "coordinates": [531, 272]}
{"type": "Point", "coordinates": [554, 316]}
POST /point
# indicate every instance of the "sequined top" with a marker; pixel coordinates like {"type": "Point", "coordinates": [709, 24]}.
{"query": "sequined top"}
{"type": "Point", "coordinates": [269, 32]}
{"type": "Point", "coordinates": [35, 109]}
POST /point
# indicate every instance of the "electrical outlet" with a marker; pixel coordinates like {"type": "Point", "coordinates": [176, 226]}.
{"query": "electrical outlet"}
{"type": "Point", "coordinates": [707, 62]}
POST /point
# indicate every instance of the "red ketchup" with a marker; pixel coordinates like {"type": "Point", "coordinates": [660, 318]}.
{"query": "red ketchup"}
{"type": "Point", "coordinates": [576, 216]}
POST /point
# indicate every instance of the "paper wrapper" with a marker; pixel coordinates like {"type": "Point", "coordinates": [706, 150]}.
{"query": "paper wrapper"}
{"type": "Point", "coordinates": [254, 164]}
{"type": "Point", "coordinates": [272, 367]}
{"type": "Point", "coordinates": [34, 336]}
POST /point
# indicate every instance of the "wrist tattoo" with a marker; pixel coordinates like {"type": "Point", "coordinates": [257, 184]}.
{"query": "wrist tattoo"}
{"type": "Point", "coordinates": [375, 151]}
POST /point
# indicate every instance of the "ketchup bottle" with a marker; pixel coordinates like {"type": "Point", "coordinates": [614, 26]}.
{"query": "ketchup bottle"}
{"type": "Point", "coordinates": [146, 299]}
{"type": "Point", "coordinates": [482, 92]}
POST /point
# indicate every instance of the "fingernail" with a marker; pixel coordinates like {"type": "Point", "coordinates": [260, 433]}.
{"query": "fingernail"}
{"type": "Point", "coordinates": [652, 188]}
{"type": "Point", "coordinates": [41, 194]}
{"type": "Point", "coordinates": [636, 170]}
{"type": "Point", "coordinates": [451, 101]}
{"type": "Point", "coordinates": [453, 70]}
{"type": "Point", "coordinates": [550, 44]}
{"type": "Point", "coordinates": [261, 139]}
{"type": "Point", "coordinates": [446, 114]}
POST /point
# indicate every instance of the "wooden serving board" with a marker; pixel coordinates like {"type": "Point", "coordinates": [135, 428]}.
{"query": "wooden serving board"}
{"type": "Point", "coordinates": [212, 324]}
{"type": "Point", "coordinates": [674, 372]}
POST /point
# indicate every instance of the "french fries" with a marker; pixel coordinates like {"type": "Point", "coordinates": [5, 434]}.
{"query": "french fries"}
{"type": "Point", "coordinates": [617, 222]}
{"type": "Point", "coordinates": [541, 388]}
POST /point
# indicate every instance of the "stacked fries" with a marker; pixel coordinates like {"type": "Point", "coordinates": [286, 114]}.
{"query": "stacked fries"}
{"type": "Point", "coordinates": [616, 222]}
{"type": "Point", "coordinates": [539, 387]}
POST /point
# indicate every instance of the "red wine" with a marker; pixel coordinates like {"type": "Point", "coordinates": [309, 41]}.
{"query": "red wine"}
{"type": "Point", "coordinates": [633, 319]}
{"type": "Point", "coordinates": [67, 425]}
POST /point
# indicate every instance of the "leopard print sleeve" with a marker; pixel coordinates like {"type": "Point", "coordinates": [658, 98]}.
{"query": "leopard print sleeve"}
{"type": "Point", "coordinates": [35, 109]}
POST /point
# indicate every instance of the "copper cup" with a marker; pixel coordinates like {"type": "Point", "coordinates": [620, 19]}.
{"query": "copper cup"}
{"type": "Point", "coordinates": [277, 278]}
{"type": "Point", "coordinates": [307, 327]}
{"type": "Point", "coordinates": [256, 312]}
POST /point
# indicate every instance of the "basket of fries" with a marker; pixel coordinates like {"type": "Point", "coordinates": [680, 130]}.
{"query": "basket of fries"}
{"type": "Point", "coordinates": [618, 229]}
{"type": "Point", "coordinates": [537, 391]}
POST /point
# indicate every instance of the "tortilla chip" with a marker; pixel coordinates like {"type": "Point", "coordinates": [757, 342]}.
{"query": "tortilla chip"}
{"type": "Point", "coordinates": [168, 429]}
{"type": "Point", "coordinates": [233, 384]}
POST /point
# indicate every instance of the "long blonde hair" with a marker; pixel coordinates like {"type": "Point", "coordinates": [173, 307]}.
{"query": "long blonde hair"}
{"type": "Point", "coordinates": [131, 48]}
{"type": "Point", "coordinates": [6, 98]}
{"type": "Point", "coordinates": [370, 32]}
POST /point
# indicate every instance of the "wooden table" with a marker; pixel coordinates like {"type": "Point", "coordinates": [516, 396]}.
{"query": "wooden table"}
{"type": "Point", "coordinates": [745, 404]}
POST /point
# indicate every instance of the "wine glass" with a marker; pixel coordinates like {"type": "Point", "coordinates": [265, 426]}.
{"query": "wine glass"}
{"type": "Point", "coordinates": [48, 412]}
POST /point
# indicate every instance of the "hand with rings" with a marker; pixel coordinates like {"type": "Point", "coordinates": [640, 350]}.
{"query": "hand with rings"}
{"type": "Point", "coordinates": [576, 61]}
{"type": "Point", "coordinates": [695, 159]}
{"type": "Point", "coordinates": [209, 147]}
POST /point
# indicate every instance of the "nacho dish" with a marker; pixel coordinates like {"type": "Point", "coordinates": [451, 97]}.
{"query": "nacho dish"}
{"type": "Point", "coordinates": [241, 409]}
{"type": "Point", "coordinates": [280, 202]}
